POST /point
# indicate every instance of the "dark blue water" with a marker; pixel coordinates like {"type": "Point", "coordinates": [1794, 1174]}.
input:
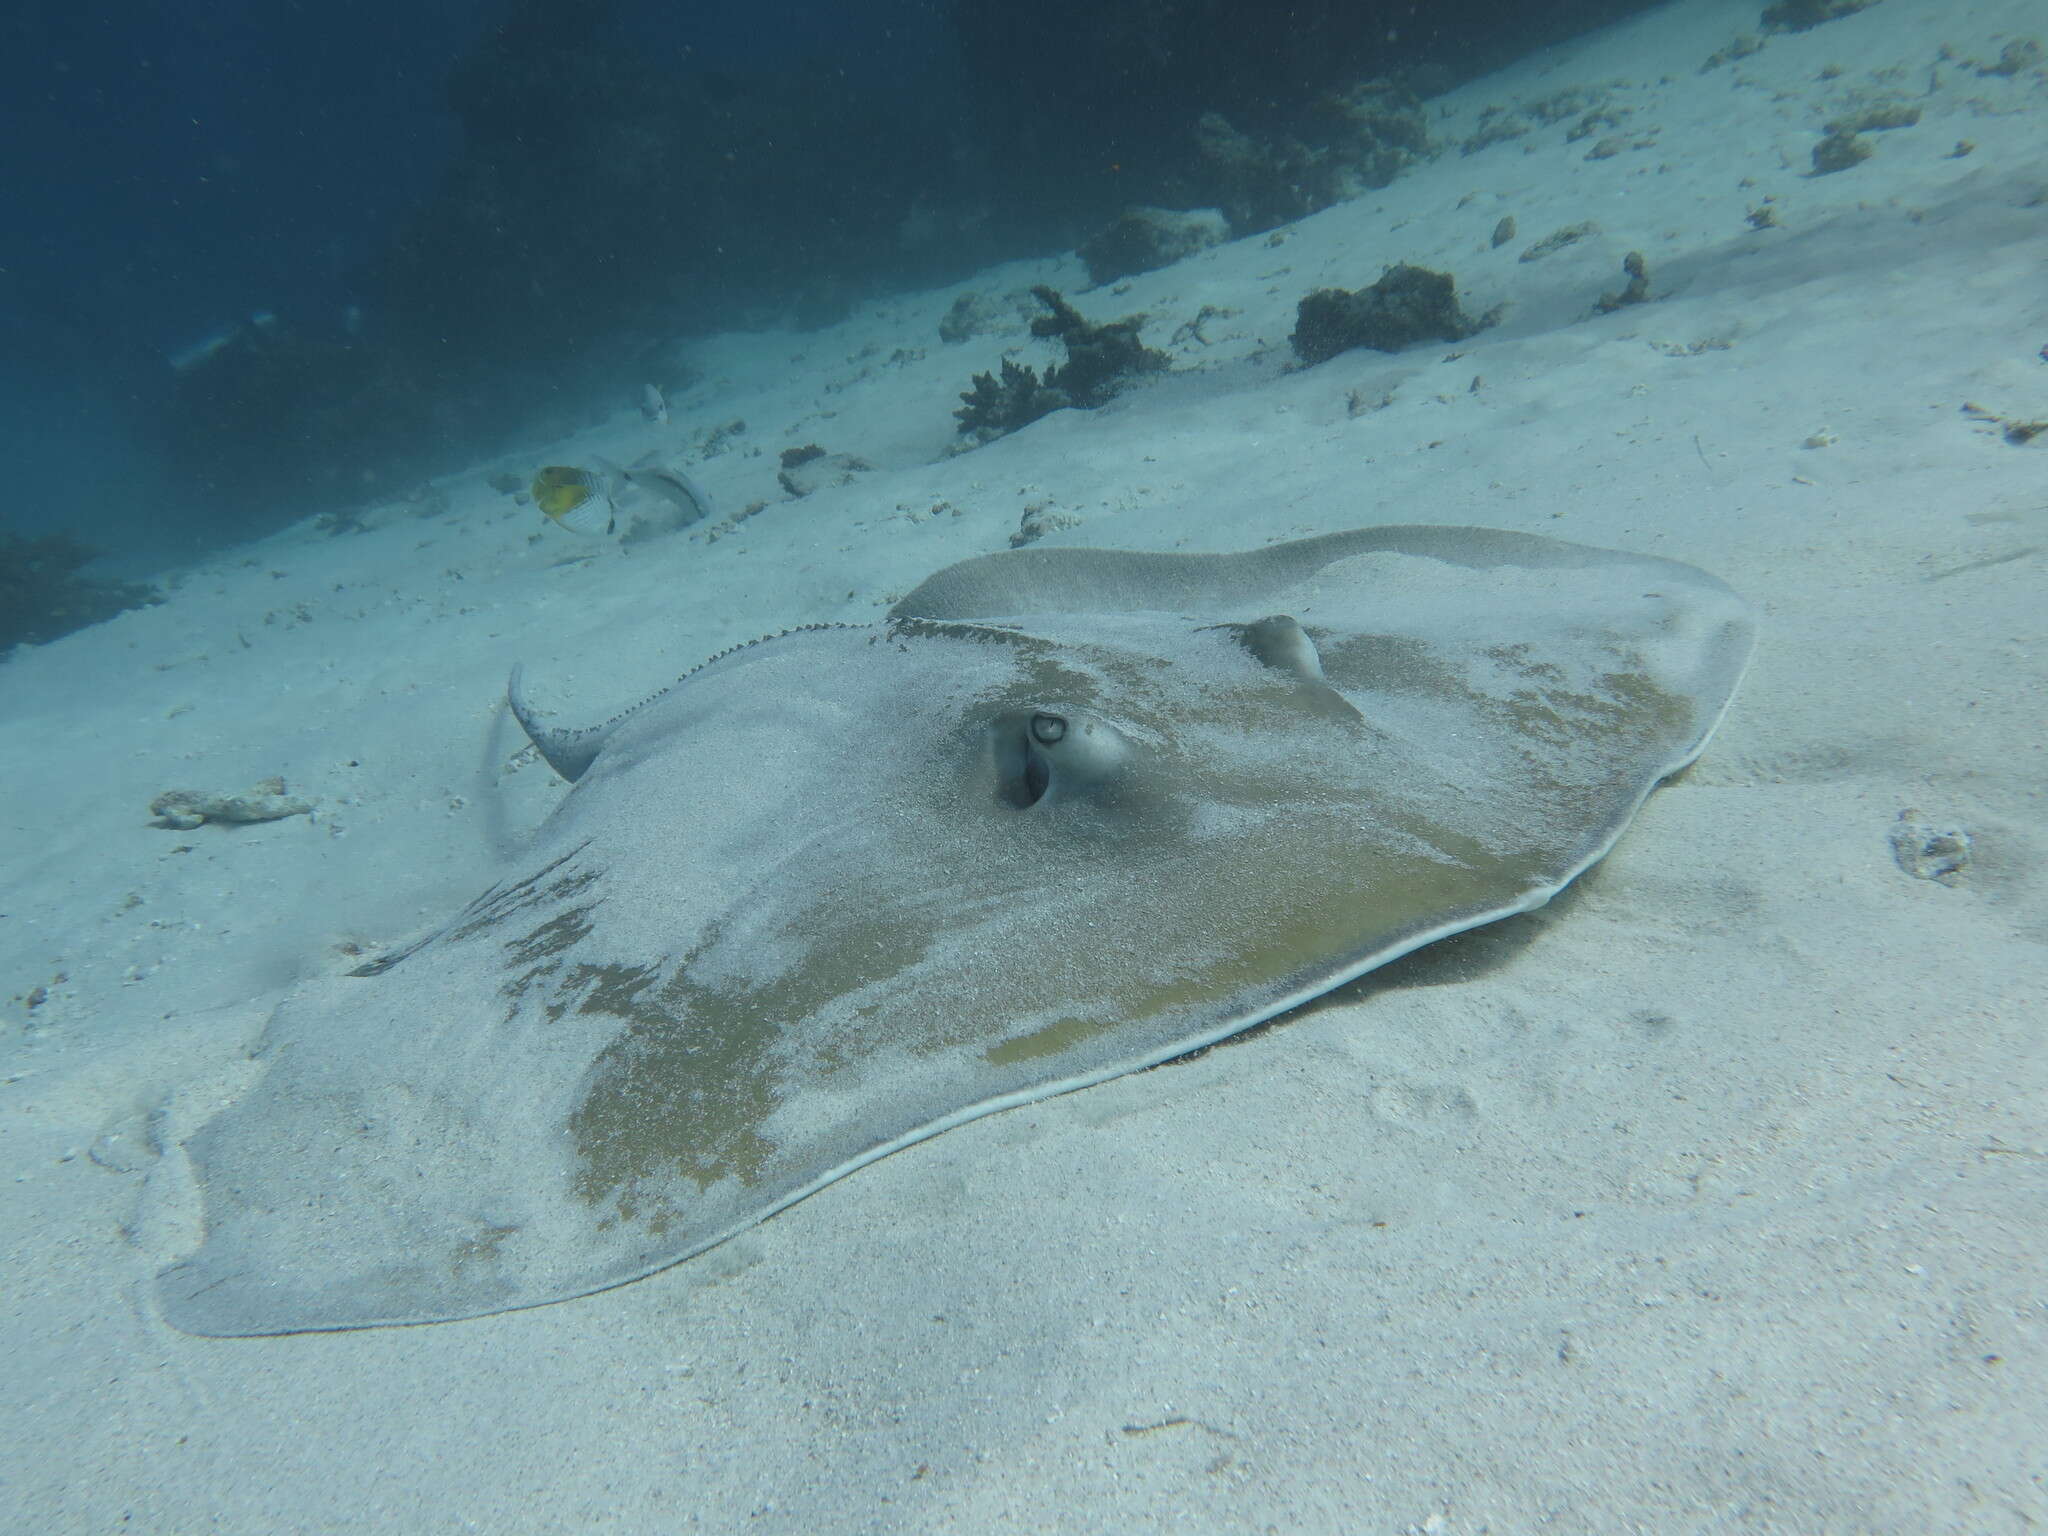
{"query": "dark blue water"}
{"type": "Point", "coordinates": [173, 168]}
{"type": "Point", "coordinates": [430, 210]}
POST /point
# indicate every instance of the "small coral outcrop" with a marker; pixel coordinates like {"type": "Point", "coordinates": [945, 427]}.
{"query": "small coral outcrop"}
{"type": "Point", "coordinates": [1262, 181]}
{"type": "Point", "coordinates": [1101, 359]}
{"type": "Point", "coordinates": [972, 314]}
{"type": "Point", "coordinates": [1355, 141]}
{"type": "Point", "coordinates": [1145, 239]}
{"type": "Point", "coordinates": [1376, 131]}
{"type": "Point", "coordinates": [1805, 15]}
{"type": "Point", "coordinates": [1838, 151]}
{"type": "Point", "coordinates": [996, 406]}
{"type": "Point", "coordinates": [1637, 289]}
{"type": "Point", "coordinates": [1408, 305]}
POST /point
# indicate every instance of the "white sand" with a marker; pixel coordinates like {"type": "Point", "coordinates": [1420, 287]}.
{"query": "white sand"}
{"type": "Point", "coordinates": [1710, 1199]}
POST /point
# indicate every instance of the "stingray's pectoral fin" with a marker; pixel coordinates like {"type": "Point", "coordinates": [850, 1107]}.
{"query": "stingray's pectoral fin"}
{"type": "Point", "coordinates": [1278, 641]}
{"type": "Point", "coordinates": [568, 752]}
{"type": "Point", "coordinates": [1069, 813]}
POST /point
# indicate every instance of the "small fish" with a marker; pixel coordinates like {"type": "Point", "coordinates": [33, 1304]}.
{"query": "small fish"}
{"type": "Point", "coordinates": [653, 406]}
{"type": "Point", "coordinates": [575, 498]}
{"type": "Point", "coordinates": [688, 500]}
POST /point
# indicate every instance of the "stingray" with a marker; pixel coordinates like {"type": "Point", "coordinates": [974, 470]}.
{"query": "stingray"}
{"type": "Point", "coordinates": [1063, 814]}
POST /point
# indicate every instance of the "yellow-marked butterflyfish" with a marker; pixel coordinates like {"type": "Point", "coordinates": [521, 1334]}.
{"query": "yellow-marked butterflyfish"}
{"type": "Point", "coordinates": [575, 498]}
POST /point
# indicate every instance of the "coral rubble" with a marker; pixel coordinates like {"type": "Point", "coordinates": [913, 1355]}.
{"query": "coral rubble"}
{"type": "Point", "coordinates": [810, 468]}
{"type": "Point", "coordinates": [180, 810]}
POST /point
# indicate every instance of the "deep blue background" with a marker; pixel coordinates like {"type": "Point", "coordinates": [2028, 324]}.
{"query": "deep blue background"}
{"type": "Point", "coordinates": [168, 169]}
{"type": "Point", "coordinates": [171, 168]}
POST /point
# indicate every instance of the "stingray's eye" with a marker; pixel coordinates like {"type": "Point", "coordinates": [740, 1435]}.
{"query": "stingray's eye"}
{"type": "Point", "coordinates": [1056, 754]}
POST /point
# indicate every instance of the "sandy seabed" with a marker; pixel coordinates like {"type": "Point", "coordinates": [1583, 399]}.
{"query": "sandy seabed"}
{"type": "Point", "coordinates": [1713, 1197]}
